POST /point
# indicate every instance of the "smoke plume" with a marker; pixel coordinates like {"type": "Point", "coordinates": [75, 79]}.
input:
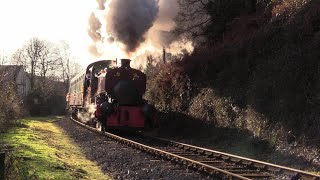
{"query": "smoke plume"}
{"type": "Point", "coordinates": [160, 33]}
{"type": "Point", "coordinates": [101, 4]}
{"type": "Point", "coordinates": [94, 28]}
{"type": "Point", "coordinates": [128, 21]}
{"type": "Point", "coordinates": [93, 49]}
{"type": "Point", "coordinates": [136, 29]}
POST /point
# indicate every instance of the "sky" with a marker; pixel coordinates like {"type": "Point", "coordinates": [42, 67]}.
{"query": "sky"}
{"type": "Point", "coordinates": [68, 20]}
{"type": "Point", "coordinates": [53, 20]}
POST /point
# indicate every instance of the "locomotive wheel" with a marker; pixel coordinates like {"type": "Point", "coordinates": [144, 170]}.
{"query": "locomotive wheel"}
{"type": "Point", "coordinates": [75, 114]}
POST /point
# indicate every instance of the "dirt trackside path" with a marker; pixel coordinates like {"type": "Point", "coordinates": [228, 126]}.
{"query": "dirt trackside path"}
{"type": "Point", "coordinates": [42, 150]}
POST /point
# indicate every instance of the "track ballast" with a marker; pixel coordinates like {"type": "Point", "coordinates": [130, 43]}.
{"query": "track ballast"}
{"type": "Point", "coordinates": [217, 164]}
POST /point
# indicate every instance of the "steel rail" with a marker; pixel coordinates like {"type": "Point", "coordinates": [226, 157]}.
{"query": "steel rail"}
{"type": "Point", "coordinates": [215, 171]}
{"type": "Point", "coordinates": [245, 161]}
{"type": "Point", "coordinates": [163, 154]}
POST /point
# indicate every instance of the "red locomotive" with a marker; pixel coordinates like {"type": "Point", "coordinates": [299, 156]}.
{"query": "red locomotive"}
{"type": "Point", "coordinates": [110, 97]}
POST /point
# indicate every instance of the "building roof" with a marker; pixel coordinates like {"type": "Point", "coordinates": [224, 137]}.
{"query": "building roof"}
{"type": "Point", "coordinates": [9, 72]}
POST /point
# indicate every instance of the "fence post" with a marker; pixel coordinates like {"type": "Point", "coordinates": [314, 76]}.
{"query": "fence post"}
{"type": "Point", "coordinates": [2, 165]}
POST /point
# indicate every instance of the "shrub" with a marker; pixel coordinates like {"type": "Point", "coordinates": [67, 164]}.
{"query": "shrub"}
{"type": "Point", "coordinates": [169, 89]}
{"type": "Point", "coordinates": [47, 98]}
{"type": "Point", "coordinates": [214, 110]}
{"type": "Point", "coordinates": [11, 105]}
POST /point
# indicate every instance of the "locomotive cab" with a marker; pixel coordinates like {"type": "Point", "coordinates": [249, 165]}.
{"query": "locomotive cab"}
{"type": "Point", "coordinates": [95, 78]}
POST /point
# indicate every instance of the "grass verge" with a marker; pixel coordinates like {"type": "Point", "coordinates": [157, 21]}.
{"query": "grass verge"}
{"type": "Point", "coordinates": [41, 150]}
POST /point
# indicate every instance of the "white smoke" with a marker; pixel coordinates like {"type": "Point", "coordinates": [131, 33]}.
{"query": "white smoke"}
{"type": "Point", "coordinates": [137, 28]}
{"type": "Point", "coordinates": [88, 114]}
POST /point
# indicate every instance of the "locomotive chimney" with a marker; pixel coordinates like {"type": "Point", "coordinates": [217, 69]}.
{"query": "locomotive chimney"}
{"type": "Point", "coordinates": [125, 63]}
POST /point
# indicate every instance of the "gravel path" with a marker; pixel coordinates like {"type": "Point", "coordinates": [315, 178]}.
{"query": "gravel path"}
{"type": "Point", "coordinates": [122, 162]}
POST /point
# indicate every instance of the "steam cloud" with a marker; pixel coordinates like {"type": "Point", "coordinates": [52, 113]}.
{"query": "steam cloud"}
{"type": "Point", "coordinates": [94, 28]}
{"type": "Point", "coordinates": [128, 21]}
{"type": "Point", "coordinates": [94, 50]}
{"type": "Point", "coordinates": [160, 34]}
{"type": "Point", "coordinates": [136, 29]}
{"type": "Point", "coordinates": [101, 4]}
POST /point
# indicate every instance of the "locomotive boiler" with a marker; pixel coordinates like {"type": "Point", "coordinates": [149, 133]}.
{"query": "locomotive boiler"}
{"type": "Point", "coordinates": [110, 97]}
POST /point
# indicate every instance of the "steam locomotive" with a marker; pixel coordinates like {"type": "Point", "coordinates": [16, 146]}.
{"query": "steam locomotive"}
{"type": "Point", "coordinates": [109, 97]}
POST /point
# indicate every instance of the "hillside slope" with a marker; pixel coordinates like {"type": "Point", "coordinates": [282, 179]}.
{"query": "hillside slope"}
{"type": "Point", "coordinates": [264, 77]}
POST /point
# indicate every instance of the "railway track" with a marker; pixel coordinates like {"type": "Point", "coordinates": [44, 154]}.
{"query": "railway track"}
{"type": "Point", "coordinates": [216, 164]}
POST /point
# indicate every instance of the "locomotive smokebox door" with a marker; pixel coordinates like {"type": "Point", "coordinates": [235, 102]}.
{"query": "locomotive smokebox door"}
{"type": "Point", "coordinates": [126, 93]}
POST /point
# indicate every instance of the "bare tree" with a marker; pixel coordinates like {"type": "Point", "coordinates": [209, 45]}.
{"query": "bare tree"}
{"type": "Point", "coordinates": [44, 59]}
{"type": "Point", "coordinates": [37, 58]}
{"type": "Point", "coordinates": [67, 65]}
{"type": "Point", "coordinates": [192, 18]}
{"type": "Point", "coordinates": [64, 62]}
{"type": "Point", "coordinates": [208, 19]}
{"type": "Point", "coordinates": [49, 59]}
{"type": "Point", "coordinates": [33, 52]}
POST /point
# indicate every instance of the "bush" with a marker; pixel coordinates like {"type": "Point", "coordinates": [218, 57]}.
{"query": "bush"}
{"type": "Point", "coordinates": [215, 110]}
{"type": "Point", "coordinates": [48, 98]}
{"type": "Point", "coordinates": [11, 105]}
{"type": "Point", "coordinates": [169, 89]}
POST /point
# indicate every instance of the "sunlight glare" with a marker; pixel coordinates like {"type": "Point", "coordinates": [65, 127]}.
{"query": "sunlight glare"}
{"type": "Point", "coordinates": [54, 20]}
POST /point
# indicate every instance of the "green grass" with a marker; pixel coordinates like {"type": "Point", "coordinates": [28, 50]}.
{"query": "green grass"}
{"type": "Point", "coordinates": [44, 151]}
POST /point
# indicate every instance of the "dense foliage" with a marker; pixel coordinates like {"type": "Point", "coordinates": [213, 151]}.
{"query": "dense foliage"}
{"type": "Point", "coordinates": [261, 75]}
